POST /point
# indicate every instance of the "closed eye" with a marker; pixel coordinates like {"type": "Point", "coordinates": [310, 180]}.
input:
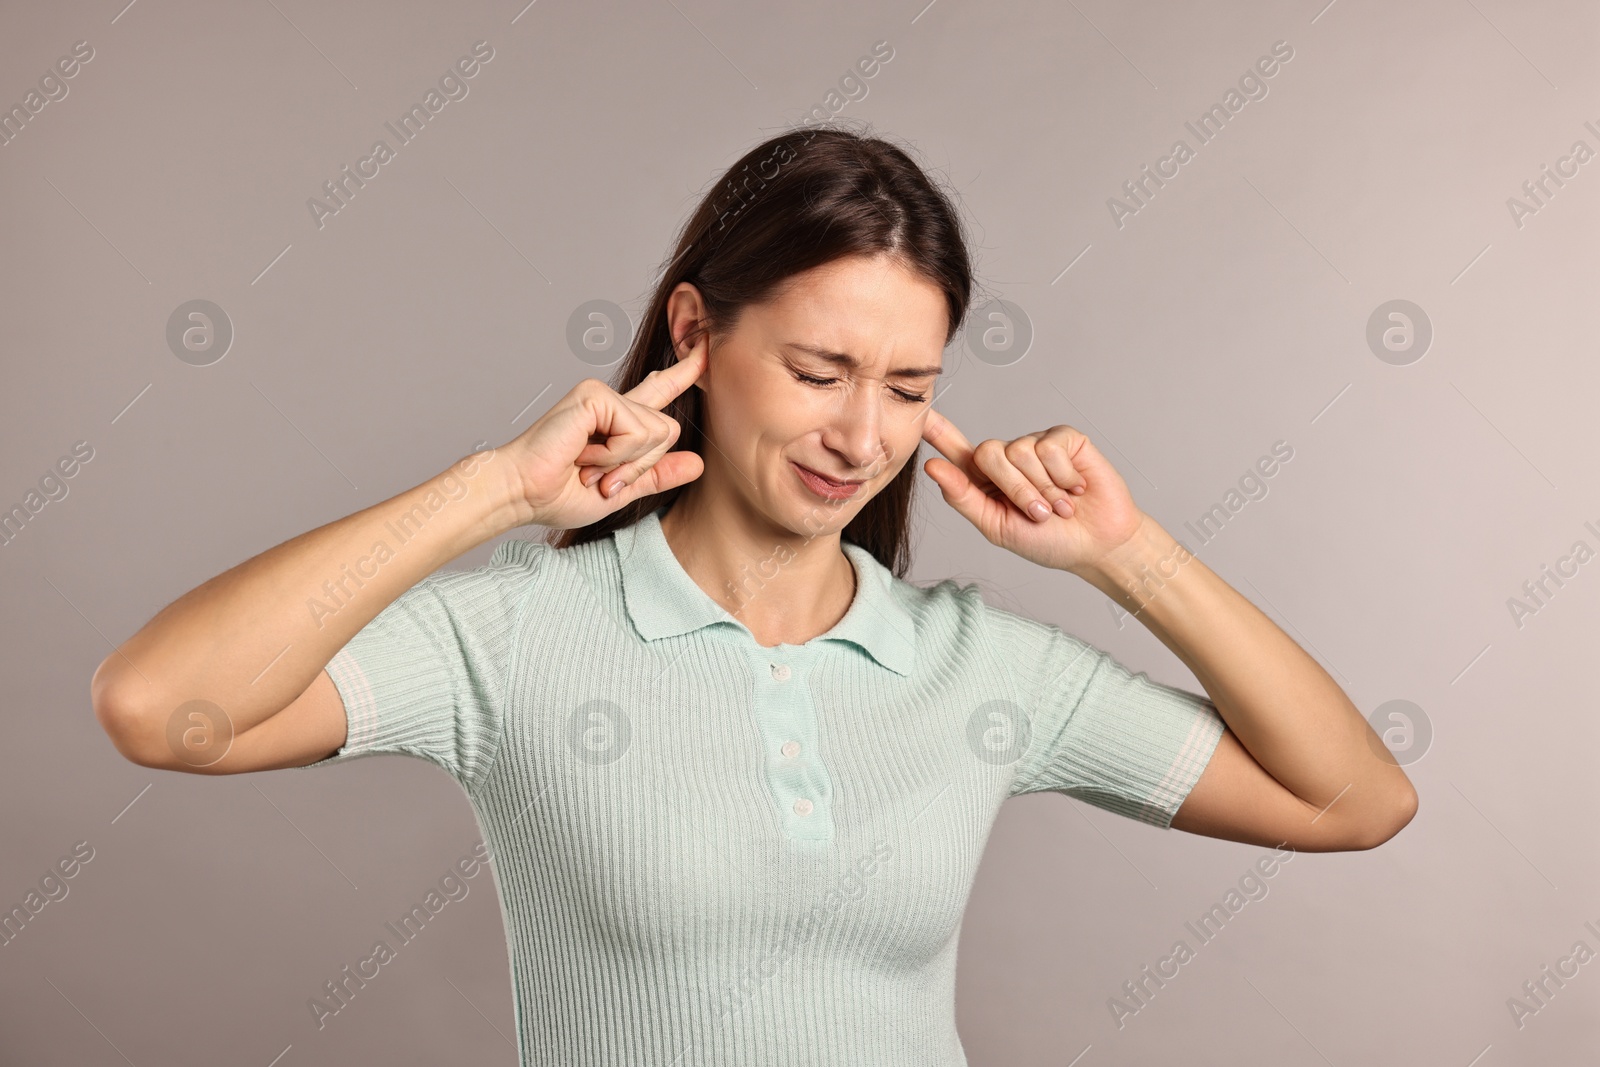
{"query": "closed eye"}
{"type": "Point", "coordinates": [909, 398]}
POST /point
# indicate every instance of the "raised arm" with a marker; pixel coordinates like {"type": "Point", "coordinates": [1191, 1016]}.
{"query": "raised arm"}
{"type": "Point", "coordinates": [251, 641]}
{"type": "Point", "coordinates": [231, 676]}
{"type": "Point", "coordinates": [1298, 763]}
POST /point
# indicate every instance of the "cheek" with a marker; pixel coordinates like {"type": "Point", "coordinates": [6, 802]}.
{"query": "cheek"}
{"type": "Point", "coordinates": [902, 440]}
{"type": "Point", "coordinates": [757, 414]}
{"type": "Point", "coordinates": [789, 408]}
{"type": "Point", "coordinates": [897, 461]}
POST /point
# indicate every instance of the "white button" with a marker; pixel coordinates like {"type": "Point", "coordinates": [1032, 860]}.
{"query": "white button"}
{"type": "Point", "coordinates": [791, 749]}
{"type": "Point", "coordinates": [780, 671]}
{"type": "Point", "coordinates": [802, 806]}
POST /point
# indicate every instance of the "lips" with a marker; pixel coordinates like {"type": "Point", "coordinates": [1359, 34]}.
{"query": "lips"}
{"type": "Point", "coordinates": [834, 481]}
{"type": "Point", "coordinates": [823, 486]}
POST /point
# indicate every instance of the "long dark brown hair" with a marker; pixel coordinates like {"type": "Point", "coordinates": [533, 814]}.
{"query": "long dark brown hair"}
{"type": "Point", "coordinates": [794, 202]}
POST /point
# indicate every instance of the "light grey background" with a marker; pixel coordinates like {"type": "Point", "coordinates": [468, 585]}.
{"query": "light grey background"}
{"type": "Point", "coordinates": [1229, 313]}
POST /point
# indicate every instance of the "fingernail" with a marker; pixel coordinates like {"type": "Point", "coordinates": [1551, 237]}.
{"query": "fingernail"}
{"type": "Point", "coordinates": [1039, 510]}
{"type": "Point", "coordinates": [1064, 508]}
{"type": "Point", "coordinates": [613, 488]}
{"type": "Point", "coordinates": [592, 477]}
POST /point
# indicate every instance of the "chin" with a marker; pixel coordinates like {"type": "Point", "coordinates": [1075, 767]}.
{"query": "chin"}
{"type": "Point", "coordinates": [818, 518]}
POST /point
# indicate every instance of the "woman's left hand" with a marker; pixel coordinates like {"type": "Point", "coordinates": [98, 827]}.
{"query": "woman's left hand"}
{"type": "Point", "coordinates": [1089, 509]}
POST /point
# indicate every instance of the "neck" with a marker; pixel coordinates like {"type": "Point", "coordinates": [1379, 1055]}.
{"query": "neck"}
{"type": "Point", "coordinates": [786, 587]}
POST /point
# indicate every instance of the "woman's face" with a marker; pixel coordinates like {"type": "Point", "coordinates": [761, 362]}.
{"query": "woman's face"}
{"type": "Point", "coordinates": [834, 376]}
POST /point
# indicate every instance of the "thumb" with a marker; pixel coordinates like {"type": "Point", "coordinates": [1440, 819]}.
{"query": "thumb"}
{"type": "Point", "coordinates": [958, 490]}
{"type": "Point", "coordinates": [670, 471]}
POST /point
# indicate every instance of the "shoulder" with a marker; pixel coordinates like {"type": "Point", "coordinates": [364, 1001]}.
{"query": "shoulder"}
{"type": "Point", "coordinates": [542, 574]}
{"type": "Point", "coordinates": [960, 612]}
{"type": "Point", "coordinates": [947, 596]}
{"type": "Point", "coordinates": [946, 607]}
{"type": "Point", "coordinates": [520, 552]}
{"type": "Point", "coordinates": [535, 556]}
{"type": "Point", "coordinates": [944, 595]}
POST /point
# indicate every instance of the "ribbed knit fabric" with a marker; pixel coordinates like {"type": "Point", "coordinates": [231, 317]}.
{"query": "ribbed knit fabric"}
{"type": "Point", "coordinates": [710, 852]}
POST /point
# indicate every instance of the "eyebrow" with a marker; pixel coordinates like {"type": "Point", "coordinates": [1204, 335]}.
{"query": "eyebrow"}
{"type": "Point", "coordinates": [849, 362]}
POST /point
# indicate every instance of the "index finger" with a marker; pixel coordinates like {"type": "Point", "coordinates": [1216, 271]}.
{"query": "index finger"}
{"type": "Point", "coordinates": [942, 434]}
{"type": "Point", "coordinates": [662, 386]}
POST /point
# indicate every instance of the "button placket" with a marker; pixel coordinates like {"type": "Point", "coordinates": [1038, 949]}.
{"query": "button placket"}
{"type": "Point", "coordinates": [790, 749]}
{"type": "Point", "coordinates": [787, 720]}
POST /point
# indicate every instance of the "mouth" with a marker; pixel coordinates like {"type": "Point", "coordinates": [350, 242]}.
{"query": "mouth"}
{"type": "Point", "coordinates": [823, 486]}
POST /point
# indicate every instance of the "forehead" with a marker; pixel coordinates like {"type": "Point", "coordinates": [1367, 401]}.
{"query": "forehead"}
{"type": "Point", "coordinates": [873, 307]}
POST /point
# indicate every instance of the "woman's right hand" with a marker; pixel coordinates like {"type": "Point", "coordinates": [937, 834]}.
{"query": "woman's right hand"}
{"type": "Point", "coordinates": [616, 441]}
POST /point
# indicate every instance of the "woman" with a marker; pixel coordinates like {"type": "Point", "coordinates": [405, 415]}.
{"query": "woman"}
{"type": "Point", "coordinates": [736, 774]}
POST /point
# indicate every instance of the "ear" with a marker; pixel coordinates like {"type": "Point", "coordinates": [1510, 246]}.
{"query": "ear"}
{"type": "Point", "coordinates": [684, 302]}
{"type": "Point", "coordinates": [684, 352]}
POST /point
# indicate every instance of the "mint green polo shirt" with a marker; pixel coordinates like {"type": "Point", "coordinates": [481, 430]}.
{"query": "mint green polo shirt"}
{"type": "Point", "coordinates": [712, 852]}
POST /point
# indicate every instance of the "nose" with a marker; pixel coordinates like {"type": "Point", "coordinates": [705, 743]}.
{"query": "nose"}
{"type": "Point", "coordinates": [855, 431]}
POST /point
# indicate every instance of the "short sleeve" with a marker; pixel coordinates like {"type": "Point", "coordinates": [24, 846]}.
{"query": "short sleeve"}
{"type": "Point", "coordinates": [1109, 737]}
{"type": "Point", "coordinates": [427, 676]}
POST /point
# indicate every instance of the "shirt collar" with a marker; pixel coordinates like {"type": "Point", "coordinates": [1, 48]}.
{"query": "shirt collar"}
{"type": "Point", "coordinates": [663, 601]}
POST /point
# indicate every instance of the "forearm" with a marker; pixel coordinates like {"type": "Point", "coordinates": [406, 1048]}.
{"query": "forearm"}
{"type": "Point", "coordinates": [254, 637]}
{"type": "Point", "coordinates": [1282, 706]}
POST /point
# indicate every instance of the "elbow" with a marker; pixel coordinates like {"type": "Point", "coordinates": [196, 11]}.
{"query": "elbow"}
{"type": "Point", "coordinates": [1379, 831]}
{"type": "Point", "coordinates": [130, 728]}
